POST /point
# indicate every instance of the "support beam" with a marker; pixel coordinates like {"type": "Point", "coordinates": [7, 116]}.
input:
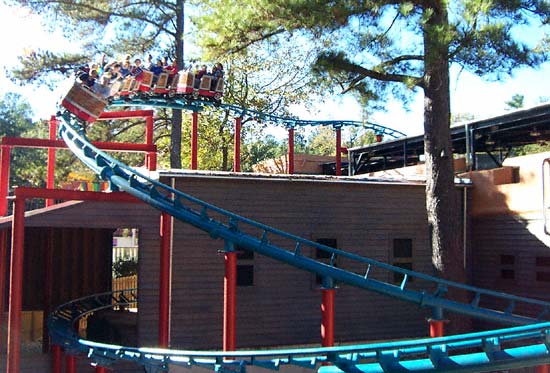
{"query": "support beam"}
{"type": "Point", "coordinates": [150, 157]}
{"type": "Point", "coordinates": [126, 114]}
{"type": "Point", "coordinates": [166, 222]}
{"type": "Point", "coordinates": [48, 289]}
{"type": "Point", "coordinates": [5, 152]}
{"type": "Point", "coordinates": [230, 300]}
{"type": "Point", "coordinates": [57, 359]}
{"type": "Point", "coordinates": [437, 322]}
{"type": "Point", "coordinates": [327, 317]}
{"type": "Point", "coordinates": [50, 180]}
{"type": "Point", "coordinates": [16, 286]}
{"type": "Point", "coordinates": [74, 195]}
{"type": "Point", "coordinates": [237, 145]}
{"type": "Point", "coordinates": [291, 150]}
{"type": "Point", "coordinates": [436, 328]}
{"type": "Point", "coordinates": [60, 144]}
{"type": "Point", "coordinates": [194, 140]}
{"type": "Point", "coordinates": [3, 261]}
{"type": "Point", "coordinates": [70, 363]}
{"type": "Point", "coordinates": [338, 151]}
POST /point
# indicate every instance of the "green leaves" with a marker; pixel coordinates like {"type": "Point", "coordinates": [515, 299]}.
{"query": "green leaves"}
{"type": "Point", "coordinates": [28, 166]}
{"type": "Point", "coordinates": [45, 66]}
{"type": "Point", "coordinates": [378, 36]}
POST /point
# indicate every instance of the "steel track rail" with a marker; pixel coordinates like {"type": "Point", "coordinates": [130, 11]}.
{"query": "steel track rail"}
{"type": "Point", "coordinates": [426, 291]}
{"type": "Point", "coordinates": [474, 352]}
{"type": "Point", "coordinates": [237, 111]}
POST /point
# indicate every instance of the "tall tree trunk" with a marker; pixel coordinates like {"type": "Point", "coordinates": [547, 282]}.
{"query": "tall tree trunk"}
{"type": "Point", "coordinates": [175, 134]}
{"type": "Point", "coordinates": [442, 198]}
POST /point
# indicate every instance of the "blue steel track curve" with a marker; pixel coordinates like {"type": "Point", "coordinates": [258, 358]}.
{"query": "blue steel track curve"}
{"type": "Point", "coordinates": [526, 344]}
{"type": "Point", "coordinates": [237, 111]}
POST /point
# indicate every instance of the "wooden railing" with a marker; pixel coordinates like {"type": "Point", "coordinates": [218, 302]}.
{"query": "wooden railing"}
{"type": "Point", "coordinates": [128, 282]}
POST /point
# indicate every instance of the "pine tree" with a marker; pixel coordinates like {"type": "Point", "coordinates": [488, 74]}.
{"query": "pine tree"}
{"type": "Point", "coordinates": [378, 49]}
{"type": "Point", "coordinates": [111, 28]}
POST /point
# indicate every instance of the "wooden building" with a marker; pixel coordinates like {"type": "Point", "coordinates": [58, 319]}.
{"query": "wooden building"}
{"type": "Point", "coordinates": [510, 243]}
{"type": "Point", "coordinates": [276, 304]}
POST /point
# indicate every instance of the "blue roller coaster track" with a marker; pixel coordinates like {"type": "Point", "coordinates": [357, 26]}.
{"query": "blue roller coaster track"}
{"type": "Point", "coordinates": [527, 343]}
{"type": "Point", "coordinates": [237, 111]}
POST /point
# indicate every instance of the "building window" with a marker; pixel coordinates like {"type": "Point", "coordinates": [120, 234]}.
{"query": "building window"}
{"type": "Point", "coordinates": [508, 267]}
{"type": "Point", "coordinates": [325, 256]}
{"type": "Point", "coordinates": [245, 275]}
{"type": "Point", "coordinates": [542, 264]}
{"type": "Point", "coordinates": [402, 251]}
{"type": "Point", "coordinates": [245, 266]}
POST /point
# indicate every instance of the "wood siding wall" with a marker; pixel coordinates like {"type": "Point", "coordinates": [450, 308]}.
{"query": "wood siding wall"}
{"type": "Point", "coordinates": [283, 306]}
{"type": "Point", "coordinates": [505, 255]}
{"type": "Point", "coordinates": [80, 260]}
{"type": "Point", "coordinates": [69, 218]}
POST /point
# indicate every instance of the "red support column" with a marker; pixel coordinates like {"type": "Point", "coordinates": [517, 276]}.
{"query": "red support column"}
{"type": "Point", "coordinates": [230, 301]}
{"type": "Point", "coordinates": [57, 359]}
{"type": "Point", "coordinates": [5, 152]}
{"type": "Point", "coordinates": [3, 259]}
{"type": "Point", "coordinates": [237, 145]}
{"type": "Point", "coordinates": [150, 157]}
{"type": "Point", "coordinates": [542, 369]}
{"type": "Point", "coordinates": [165, 279]}
{"type": "Point", "coordinates": [126, 114]}
{"type": "Point", "coordinates": [437, 322]}
{"type": "Point", "coordinates": [50, 181]}
{"type": "Point", "coordinates": [48, 288]}
{"type": "Point", "coordinates": [338, 151]}
{"type": "Point", "coordinates": [70, 364]}
{"type": "Point", "coordinates": [16, 286]}
{"type": "Point", "coordinates": [99, 369]}
{"type": "Point", "coordinates": [291, 151]}
{"type": "Point", "coordinates": [327, 317]}
{"type": "Point", "coordinates": [436, 328]}
{"type": "Point", "coordinates": [194, 140]}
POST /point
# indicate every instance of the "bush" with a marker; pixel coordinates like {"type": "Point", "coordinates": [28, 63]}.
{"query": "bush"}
{"type": "Point", "coordinates": [125, 267]}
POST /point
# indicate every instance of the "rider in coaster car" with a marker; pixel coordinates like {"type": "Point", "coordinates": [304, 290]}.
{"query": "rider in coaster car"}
{"type": "Point", "coordinates": [137, 70]}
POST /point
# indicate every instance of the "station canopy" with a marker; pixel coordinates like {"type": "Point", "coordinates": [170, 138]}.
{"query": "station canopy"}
{"type": "Point", "coordinates": [485, 143]}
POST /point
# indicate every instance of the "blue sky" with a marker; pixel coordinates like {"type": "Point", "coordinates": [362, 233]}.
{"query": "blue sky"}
{"type": "Point", "coordinates": [23, 32]}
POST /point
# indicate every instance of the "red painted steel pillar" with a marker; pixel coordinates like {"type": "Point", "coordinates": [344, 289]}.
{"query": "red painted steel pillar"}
{"type": "Point", "coordinates": [194, 140]}
{"type": "Point", "coordinates": [150, 157]}
{"type": "Point", "coordinates": [3, 259]}
{"type": "Point", "coordinates": [50, 181]}
{"type": "Point", "coordinates": [5, 152]}
{"type": "Point", "coordinates": [437, 322]}
{"type": "Point", "coordinates": [338, 151]}
{"type": "Point", "coordinates": [230, 301]}
{"type": "Point", "coordinates": [16, 286]}
{"type": "Point", "coordinates": [542, 369]}
{"type": "Point", "coordinates": [237, 145]}
{"type": "Point", "coordinates": [99, 369]}
{"type": "Point", "coordinates": [291, 151]}
{"type": "Point", "coordinates": [165, 279]}
{"type": "Point", "coordinates": [436, 328]}
{"type": "Point", "coordinates": [57, 359]}
{"type": "Point", "coordinates": [70, 364]}
{"type": "Point", "coordinates": [327, 317]}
